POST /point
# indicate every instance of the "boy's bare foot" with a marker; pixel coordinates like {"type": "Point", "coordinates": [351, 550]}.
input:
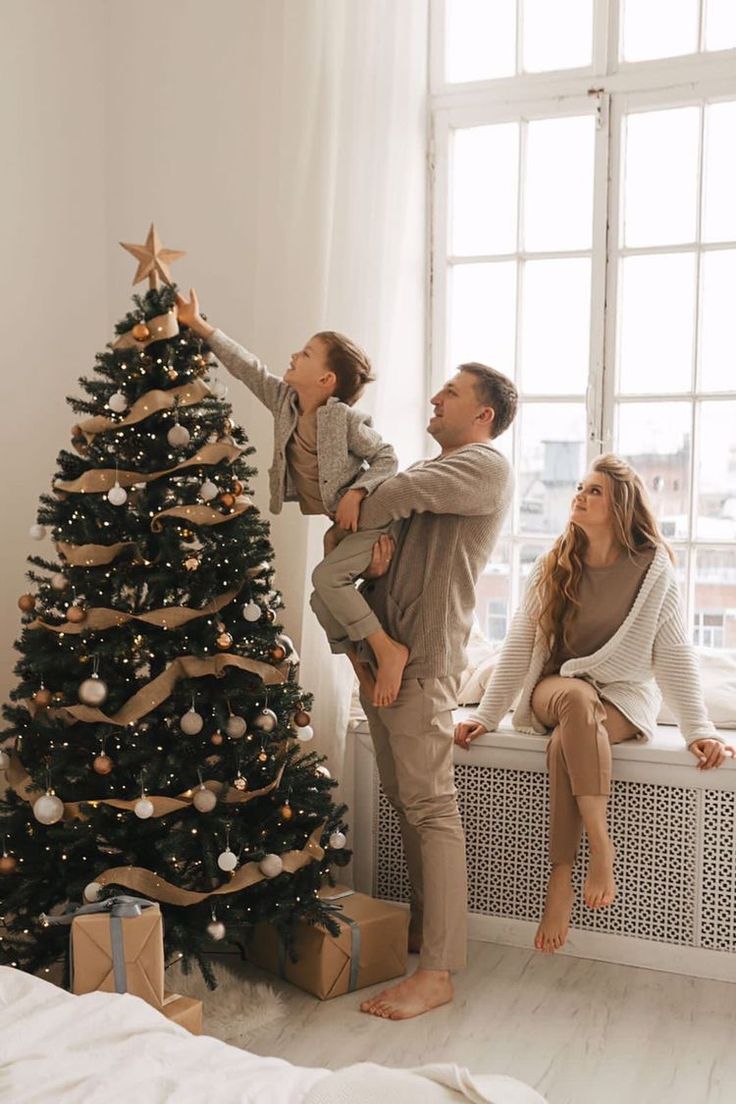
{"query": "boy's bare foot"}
{"type": "Point", "coordinates": [391, 663]}
{"type": "Point", "coordinates": [424, 990]}
{"type": "Point", "coordinates": [600, 884]}
{"type": "Point", "coordinates": [553, 928]}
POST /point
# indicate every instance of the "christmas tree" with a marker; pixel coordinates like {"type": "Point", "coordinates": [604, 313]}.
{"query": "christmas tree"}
{"type": "Point", "coordinates": [158, 737]}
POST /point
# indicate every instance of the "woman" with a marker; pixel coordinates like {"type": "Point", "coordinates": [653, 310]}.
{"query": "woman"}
{"type": "Point", "coordinates": [600, 627]}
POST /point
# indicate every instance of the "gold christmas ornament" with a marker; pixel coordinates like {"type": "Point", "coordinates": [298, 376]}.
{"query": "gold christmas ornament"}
{"type": "Point", "coordinates": [216, 738]}
{"type": "Point", "coordinates": [286, 812]}
{"type": "Point", "coordinates": [302, 718]}
{"type": "Point", "coordinates": [141, 331]}
{"type": "Point", "coordinates": [262, 757]}
{"type": "Point", "coordinates": [224, 641]}
{"type": "Point", "coordinates": [227, 500]}
{"type": "Point", "coordinates": [238, 488]}
{"type": "Point", "coordinates": [191, 564]}
{"type": "Point", "coordinates": [8, 864]}
{"type": "Point", "coordinates": [43, 697]}
{"type": "Point", "coordinates": [27, 603]}
{"type": "Point", "coordinates": [240, 783]}
{"type": "Point", "coordinates": [278, 652]}
{"type": "Point", "coordinates": [76, 614]}
{"type": "Point", "coordinates": [102, 764]}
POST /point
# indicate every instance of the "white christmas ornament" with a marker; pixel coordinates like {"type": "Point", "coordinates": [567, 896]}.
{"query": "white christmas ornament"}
{"type": "Point", "coordinates": [37, 532]}
{"type": "Point", "coordinates": [338, 840]}
{"type": "Point", "coordinates": [323, 770]}
{"type": "Point", "coordinates": [227, 860]}
{"type": "Point", "coordinates": [191, 723]}
{"type": "Point", "coordinates": [48, 809]}
{"type": "Point", "coordinates": [92, 891]}
{"type": "Point", "coordinates": [266, 720]}
{"type": "Point", "coordinates": [59, 581]}
{"type": "Point", "coordinates": [93, 691]}
{"type": "Point", "coordinates": [118, 402]}
{"type": "Point", "coordinates": [208, 490]}
{"type": "Point", "coordinates": [216, 930]}
{"type": "Point", "coordinates": [218, 389]}
{"type": "Point", "coordinates": [178, 436]}
{"type": "Point", "coordinates": [204, 800]}
{"type": "Point", "coordinates": [252, 611]}
{"type": "Point", "coordinates": [143, 808]}
{"type": "Point", "coordinates": [271, 865]}
{"type": "Point", "coordinates": [117, 495]}
{"type": "Point", "coordinates": [304, 734]}
{"type": "Point", "coordinates": [236, 726]}
{"type": "Point", "coordinates": [4, 760]}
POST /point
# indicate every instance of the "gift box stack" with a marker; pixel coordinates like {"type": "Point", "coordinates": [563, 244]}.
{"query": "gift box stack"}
{"type": "Point", "coordinates": [371, 946]}
{"type": "Point", "coordinates": [117, 946]}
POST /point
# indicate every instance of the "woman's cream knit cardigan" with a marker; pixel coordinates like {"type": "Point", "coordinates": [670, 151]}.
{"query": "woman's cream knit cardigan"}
{"type": "Point", "coordinates": [647, 654]}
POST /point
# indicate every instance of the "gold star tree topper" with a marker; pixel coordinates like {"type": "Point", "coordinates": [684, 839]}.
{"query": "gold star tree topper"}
{"type": "Point", "coordinates": [153, 259]}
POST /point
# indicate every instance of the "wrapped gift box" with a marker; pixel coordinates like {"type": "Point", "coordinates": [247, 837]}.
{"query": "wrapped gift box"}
{"type": "Point", "coordinates": [371, 947]}
{"type": "Point", "coordinates": [119, 951]}
{"type": "Point", "coordinates": [185, 1011]}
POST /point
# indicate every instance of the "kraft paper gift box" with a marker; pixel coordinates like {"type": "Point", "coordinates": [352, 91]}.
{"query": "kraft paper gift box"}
{"type": "Point", "coordinates": [186, 1011]}
{"type": "Point", "coordinates": [119, 950]}
{"type": "Point", "coordinates": [371, 947]}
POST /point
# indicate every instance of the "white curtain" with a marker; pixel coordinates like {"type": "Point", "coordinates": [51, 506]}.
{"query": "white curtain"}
{"type": "Point", "coordinates": [342, 161]}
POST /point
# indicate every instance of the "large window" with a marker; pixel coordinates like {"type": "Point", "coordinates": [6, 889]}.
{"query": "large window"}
{"type": "Point", "coordinates": [584, 242]}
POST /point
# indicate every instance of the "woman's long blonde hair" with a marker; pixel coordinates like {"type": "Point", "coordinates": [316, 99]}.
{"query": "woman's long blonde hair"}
{"type": "Point", "coordinates": [634, 527]}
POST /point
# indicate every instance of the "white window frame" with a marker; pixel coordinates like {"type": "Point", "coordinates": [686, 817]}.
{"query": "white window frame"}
{"type": "Point", "coordinates": [609, 88]}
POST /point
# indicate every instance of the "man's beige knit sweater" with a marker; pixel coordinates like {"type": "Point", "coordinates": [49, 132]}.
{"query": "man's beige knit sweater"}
{"type": "Point", "coordinates": [449, 512]}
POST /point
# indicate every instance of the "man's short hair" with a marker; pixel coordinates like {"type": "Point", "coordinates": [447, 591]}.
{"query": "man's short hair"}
{"type": "Point", "coordinates": [494, 389]}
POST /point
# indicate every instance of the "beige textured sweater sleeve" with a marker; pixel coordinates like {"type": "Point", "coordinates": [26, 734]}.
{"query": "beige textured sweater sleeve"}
{"type": "Point", "coordinates": [678, 677]}
{"type": "Point", "coordinates": [245, 366]}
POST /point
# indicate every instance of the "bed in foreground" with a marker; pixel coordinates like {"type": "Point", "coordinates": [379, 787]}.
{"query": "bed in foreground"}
{"type": "Point", "coordinates": [57, 1048]}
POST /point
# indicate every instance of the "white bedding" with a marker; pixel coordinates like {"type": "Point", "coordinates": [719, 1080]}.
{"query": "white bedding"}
{"type": "Point", "coordinates": [56, 1048]}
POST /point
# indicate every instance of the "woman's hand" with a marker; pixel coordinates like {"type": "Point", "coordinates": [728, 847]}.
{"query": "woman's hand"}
{"type": "Point", "coordinates": [383, 553]}
{"type": "Point", "coordinates": [187, 311]}
{"type": "Point", "coordinates": [347, 514]}
{"type": "Point", "coordinates": [710, 753]}
{"type": "Point", "coordinates": [467, 731]}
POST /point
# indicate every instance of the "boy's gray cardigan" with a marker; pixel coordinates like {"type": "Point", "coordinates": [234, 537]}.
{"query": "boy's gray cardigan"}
{"type": "Point", "coordinates": [349, 451]}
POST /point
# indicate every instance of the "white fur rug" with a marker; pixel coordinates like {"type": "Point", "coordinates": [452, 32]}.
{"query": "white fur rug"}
{"type": "Point", "coordinates": [237, 1009]}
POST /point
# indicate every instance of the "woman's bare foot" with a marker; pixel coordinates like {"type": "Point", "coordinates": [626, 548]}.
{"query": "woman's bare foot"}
{"type": "Point", "coordinates": [424, 990]}
{"type": "Point", "coordinates": [553, 928]}
{"type": "Point", "coordinates": [391, 658]}
{"type": "Point", "coordinates": [600, 884]}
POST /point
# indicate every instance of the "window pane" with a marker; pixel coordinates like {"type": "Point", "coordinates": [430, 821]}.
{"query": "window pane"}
{"type": "Point", "coordinates": [720, 25]}
{"type": "Point", "coordinates": [557, 36]}
{"type": "Point", "coordinates": [718, 321]}
{"type": "Point", "coordinates": [715, 599]}
{"type": "Point", "coordinates": [552, 462]}
{"type": "Point", "coordinates": [481, 39]}
{"type": "Point", "coordinates": [482, 320]}
{"type": "Point", "coordinates": [555, 326]}
{"type": "Point", "coordinates": [656, 324]}
{"type": "Point", "coordinates": [661, 177]}
{"type": "Point", "coordinates": [493, 594]}
{"type": "Point", "coordinates": [659, 28]}
{"type": "Point", "coordinates": [716, 518]}
{"type": "Point", "coordinates": [719, 185]}
{"type": "Point", "coordinates": [558, 189]}
{"type": "Point", "coordinates": [485, 170]}
{"type": "Point", "coordinates": [655, 439]}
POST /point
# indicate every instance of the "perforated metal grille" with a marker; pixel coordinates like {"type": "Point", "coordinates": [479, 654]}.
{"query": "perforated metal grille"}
{"type": "Point", "coordinates": [718, 905]}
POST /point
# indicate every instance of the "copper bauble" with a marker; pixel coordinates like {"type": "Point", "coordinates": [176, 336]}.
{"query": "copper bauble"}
{"type": "Point", "coordinates": [43, 697]}
{"type": "Point", "coordinates": [240, 783]}
{"type": "Point", "coordinates": [262, 757]}
{"type": "Point", "coordinates": [238, 488]}
{"type": "Point", "coordinates": [102, 764]}
{"type": "Point", "coordinates": [27, 603]}
{"type": "Point", "coordinates": [76, 614]}
{"type": "Point", "coordinates": [141, 331]}
{"type": "Point", "coordinates": [302, 718]}
{"type": "Point", "coordinates": [286, 812]}
{"type": "Point", "coordinates": [270, 615]}
{"type": "Point", "coordinates": [227, 500]}
{"type": "Point", "coordinates": [278, 652]}
{"type": "Point", "coordinates": [216, 738]}
{"type": "Point", "coordinates": [8, 864]}
{"type": "Point", "coordinates": [224, 641]}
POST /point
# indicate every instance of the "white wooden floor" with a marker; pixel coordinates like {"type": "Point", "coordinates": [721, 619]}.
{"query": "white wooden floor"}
{"type": "Point", "coordinates": [580, 1032]}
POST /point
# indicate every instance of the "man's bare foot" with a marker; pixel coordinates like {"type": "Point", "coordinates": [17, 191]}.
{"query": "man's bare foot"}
{"type": "Point", "coordinates": [600, 884]}
{"type": "Point", "coordinates": [424, 990]}
{"type": "Point", "coordinates": [552, 931]}
{"type": "Point", "coordinates": [391, 663]}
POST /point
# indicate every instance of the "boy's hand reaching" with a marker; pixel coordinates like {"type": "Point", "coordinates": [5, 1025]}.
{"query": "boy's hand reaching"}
{"type": "Point", "coordinates": [347, 514]}
{"type": "Point", "coordinates": [187, 311]}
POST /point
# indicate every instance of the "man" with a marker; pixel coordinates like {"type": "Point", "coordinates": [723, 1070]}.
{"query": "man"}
{"type": "Point", "coordinates": [449, 512]}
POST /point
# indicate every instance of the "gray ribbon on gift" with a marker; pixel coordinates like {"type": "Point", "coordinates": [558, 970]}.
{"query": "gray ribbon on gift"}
{"type": "Point", "coordinates": [119, 909]}
{"type": "Point", "coordinates": [354, 947]}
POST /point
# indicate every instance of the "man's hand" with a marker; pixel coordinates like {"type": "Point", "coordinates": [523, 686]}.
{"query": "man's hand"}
{"type": "Point", "coordinates": [709, 753]}
{"type": "Point", "coordinates": [347, 514]}
{"type": "Point", "coordinates": [187, 311]}
{"type": "Point", "coordinates": [383, 553]}
{"type": "Point", "coordinates": [467, 731]}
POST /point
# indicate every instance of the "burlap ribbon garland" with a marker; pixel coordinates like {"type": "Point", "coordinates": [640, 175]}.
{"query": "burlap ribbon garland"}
{"type": "Point", "coordinates": [170, 617]}
{"type": "Point", "coordinates": [161, 327]}
{"type": "Point", "coordinates": [98, 480]}
{"type": "Point", "coordinates": [91, 555]}
{"type": "Point", "coordinates": [21, 782]}
{"type": "Point", "coordinates": [202, 515]}
{"type": "Point", "coordinates": [159, 689]}
{"type": "Point", "coordinates": [151, 885]}
{"type": "Point", "coordinates": [189, 394]}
